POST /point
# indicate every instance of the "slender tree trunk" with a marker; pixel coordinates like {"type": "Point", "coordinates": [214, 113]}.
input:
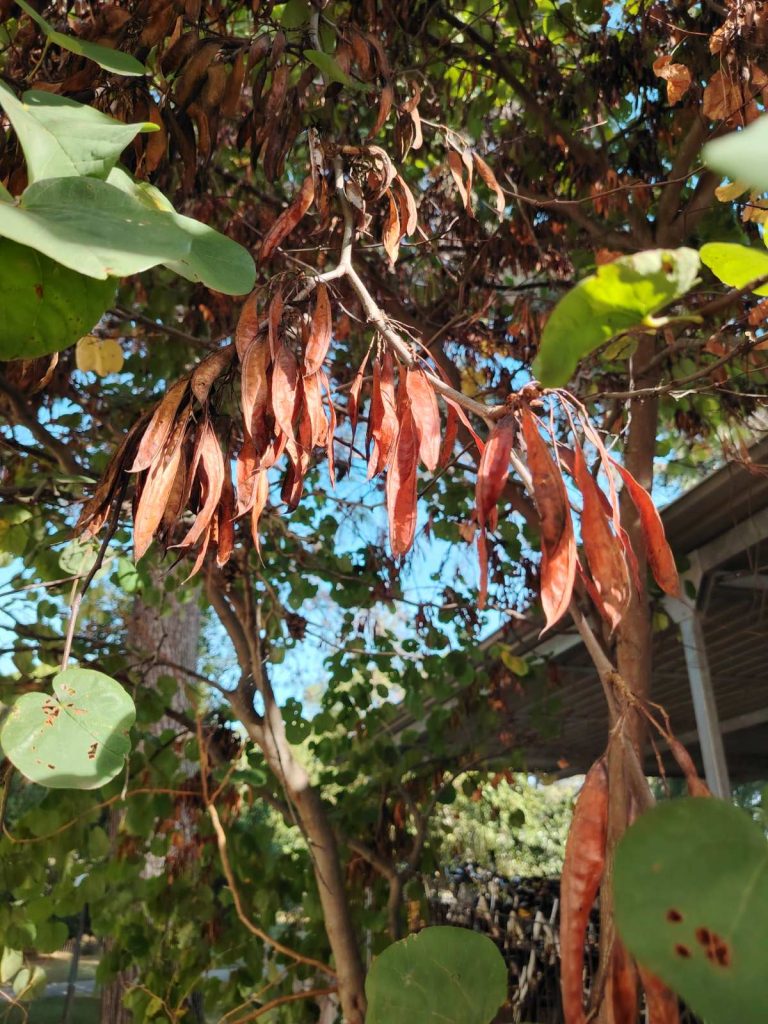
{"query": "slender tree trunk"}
{"type": "Point", "coordinates": [633, 659]}
{"type": "Point", "coordinates": [325, 859]}
{"type": "Point", "coordinates": [155, 637]}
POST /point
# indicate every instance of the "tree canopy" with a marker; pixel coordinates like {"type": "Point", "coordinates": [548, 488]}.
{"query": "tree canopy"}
{"type": "Point", "coordinates": [359, 329]}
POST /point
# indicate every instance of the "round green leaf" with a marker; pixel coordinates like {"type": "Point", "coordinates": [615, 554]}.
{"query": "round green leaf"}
{"type": "Point", "coordinates": [75, 739]}
{"type": "Point", "coordinates": [615, 298]}
{"type": "Point", "coordinates": [736, 265]}
{"type": "Point", "coordinates": [11, 962]}
{"type": "Point", "coordinates": [62, 138]}
{"type": "Point", "coordinates": [46, 307]}
{"type": "Point", "coordinates": [439, 976]}
{"type": "Point", "coordinates": [691, 891]}
{"type": "Point", "coordinates": [742, 155]}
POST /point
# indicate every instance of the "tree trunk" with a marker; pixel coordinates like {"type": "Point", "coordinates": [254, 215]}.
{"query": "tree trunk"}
{"type": "Point", "coordinates": [633, 660]}
{"type": "Point", "coordinates": [154, 638]}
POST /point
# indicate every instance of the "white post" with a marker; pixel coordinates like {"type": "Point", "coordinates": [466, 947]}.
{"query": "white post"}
{"type": "Point", "coordinates": [688, 618]}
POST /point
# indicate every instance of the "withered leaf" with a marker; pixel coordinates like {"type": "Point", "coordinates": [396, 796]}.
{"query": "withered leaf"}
{"type": "Point", "coordinates": [406, 206]}
{"type": "Point", "coordinates": [288, 219]}
{"type": "Point", "coordinates": [386, 100]}
{"type": "Point", "coordinates": [489, 179]}
{"type": "Point", "coordinates": [210, 472]}
{"type": "Point", "coordinates": [159, 426]}
{"type": "Point", "coordinates": [382, 419]}
{"type": "Point", "coordinates": [247, 324]}
{"type": "Point", "coordinates": [157, 488]}
{"type": "Point", "coordinates": [677, 76]}
{"type": "Point", "coordinates": [254, 386]}
{"type": "Point", "coordinates": [320, 332]}
{"type": "Point", "coordinates": [456, 167]}
{"type": "Point", "coordinates": [260, 496]}
{"type": "Point", "coordinates": [493, 471]}
{"type": "Point", "coordinates": [353, 405]}
{"type": "Point", "coordinates": [211, 368]}
{"type": "Point", "coordinates": [602, 547]}
{"type": "Point", "coordinates": [225, 519]}
{"type": "Point", "coordinates": [313, 407]}
{"type": "Point", "coordinates": [390, 232]}
{"type": "Point", "coordinates": [660, 557]}
{"type": "Point", "coordinates": [402, 496]}
{"type": "Point", "coordinates": [426, 416]}
{"type": "Point", "coordinates": [558, 544]}
{"type": "Point", "coordinates": [285, 385]}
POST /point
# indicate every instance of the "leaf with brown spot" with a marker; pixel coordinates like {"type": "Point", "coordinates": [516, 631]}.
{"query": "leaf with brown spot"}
{"type": "Point", "coordinates": [209, 371]}
{"type": "Point", "coordinates": [402, 496]}
{"type": "Point", "coordinates": [602, 547]}
{"type": "Point", "coordinates": [660, 557]}
{"type": "Point", "coordinates": [489, 179]}
{"type": "Point", "coordinates": [493, 471]}
{"type": "Point", "coordinates": [288, 219]}
{"type": "Point", "coordinates": [677, 76]}
{"type": "Point", "coordinates": [390, 231]}
{"type": "Point", "coordinates": [159, 427]}
{"type": "Point", "coordinates": [254, 387]}
{"type": "Point", "coordinates": [247, 324]}
{"type": "Point", "coordinates": [386, 99]}
{"type": "Point", "coordinates": [426, 416]}
{"type": "Point", "coordinates": [320, 332]}
{"type": "Point", "coordinates": [285, 390]}
{"type": "Point", "coordinates": [558, 544]}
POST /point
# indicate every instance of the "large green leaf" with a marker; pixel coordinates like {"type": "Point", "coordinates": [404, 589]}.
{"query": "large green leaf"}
{"type": "Point", "coordinates": [736, 265]}
{"type": "Point", "coordinates": [217, 261]}
{"type": "Point", "coordinates": [439, 976]}
{"type": "Point", "coordinates": [691, 891]}
{"type": "Point", "coordinates": [110, 60]}
{"type": "Point", "coordinates": [92, 227]}
{"type": "Point", "coordinates": [74, 739]}
{"type": "Point", "coordinates": [46, 307]}
{"type": "Point", "coordinates": [333, 71]}
{"type": "Point", "coordinates": [614, 299]}
{"type": "Point", "coordinates": [742, 155]}
{"type": "Point", "coordinates": [61, 138]}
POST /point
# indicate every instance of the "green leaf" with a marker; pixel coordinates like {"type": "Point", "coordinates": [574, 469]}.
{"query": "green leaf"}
{"type": "Point", "coordinates": [439, 976]}
{"type": "Point", "coordinates": [104, 56]}
{"type": "Point", "coordinates": [214, 259]}
{"type": "Point", "coordinates": [329, 68]}
{"type": "Point", "coordinates": [616, 298]}
{"type": "Point", "coordinates": [79, 557]}
{"type": "Point", "coordinates": [11, 963]}
{"type": "Point", "coordinates": [92, 227]}
{"type": "Point", "coordinates": [77, 739]}
{"type": "Point", "coordinates": [62, 138]}
{"type": "Point", "coordinates": [735, 265]}
{"type": "Point", "coordinates": [46, 306]}
{"type": "Point", "coordinates": [691, 891]}
{"type": "Point", "coordinates": [295, 14]}
{"type": "Point", "coordinates": [742, 155]}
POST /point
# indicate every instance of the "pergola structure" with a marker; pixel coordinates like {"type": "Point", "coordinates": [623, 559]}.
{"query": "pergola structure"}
{"type": "Point", "coordinates": [710, 663]}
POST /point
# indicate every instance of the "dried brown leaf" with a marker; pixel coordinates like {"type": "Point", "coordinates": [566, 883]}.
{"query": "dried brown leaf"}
{"type": "Point", "coordinates": [426, 416]}
{"type": "Point", "coordinates": [320, 332]}
{"type": "Point", "coordinates": [288, 219]}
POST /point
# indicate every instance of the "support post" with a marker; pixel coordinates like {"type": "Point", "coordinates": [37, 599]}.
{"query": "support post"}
{"type": "Point", "coordinates": [688, 618]}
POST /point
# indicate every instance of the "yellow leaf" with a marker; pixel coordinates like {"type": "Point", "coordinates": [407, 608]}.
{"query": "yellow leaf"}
{"type": "Point", "coordinates": [514, 663]}
{"type": "Point", "coordinates": [101, 356]}
{"type": "Point", "coordinates": [730, 191]}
